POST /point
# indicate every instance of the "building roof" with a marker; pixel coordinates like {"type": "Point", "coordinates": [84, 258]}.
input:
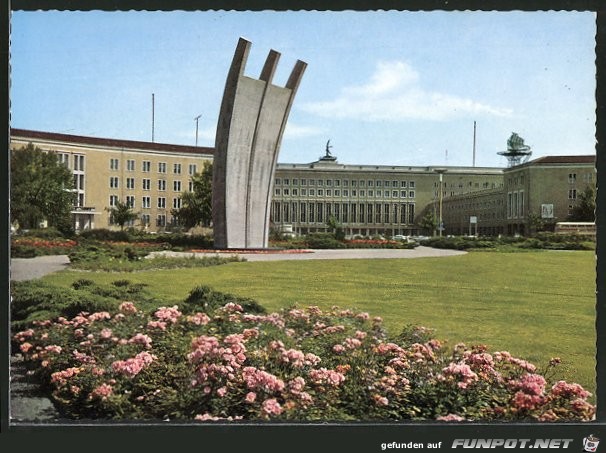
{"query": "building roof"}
{"type": "Point", "coordinates": [110, 142]}
{"type": "Point", "coordinates": [585, 159]}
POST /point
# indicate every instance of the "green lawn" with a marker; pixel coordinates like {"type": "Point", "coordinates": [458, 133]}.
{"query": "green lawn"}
{"type": "Point", "coordinates": [536, 305]}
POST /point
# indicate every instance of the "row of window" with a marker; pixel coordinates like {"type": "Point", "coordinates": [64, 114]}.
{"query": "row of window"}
{"type": "Point", "coordinates": [114, 164]}
{"type": "Point", "coordinates": [485, 185]}
{"type": "Point", "coordinates": [114, 183]}
{"type": "Point", "coordinates": [343, 183]}
{"type": "Point", "coordinates": [587, 177]}
{"type": "Point", "coordinates": [145, 202]}
{"type": "Point", "coordinates": [344, 193]}
{"type": "Point", "coordinates": [345, 213]}
{"type": "Point", "coordinates": [145, 220]}
{"type": "Point", "coordinates": [515, 204]}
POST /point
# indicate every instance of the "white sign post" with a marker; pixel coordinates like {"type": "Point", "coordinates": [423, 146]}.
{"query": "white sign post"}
{"type": "Point", "coordinates": [473, 220]}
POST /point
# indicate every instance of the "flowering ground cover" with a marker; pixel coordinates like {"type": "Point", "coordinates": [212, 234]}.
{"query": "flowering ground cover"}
{"type": "Point", "coordinates": [536, 305]}
{"type": "Point", "coordinates": [30, 246]}
{"type": "Point", "coordinates": [209, 362]}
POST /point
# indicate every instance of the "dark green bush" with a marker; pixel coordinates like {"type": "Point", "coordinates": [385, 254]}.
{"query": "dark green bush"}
{"type": "Point", "coordinates": [204, 298]}
{"type": "Point", "coordinates": [323, 241]}
{"type": "Point", "coordinates": [43, 233]}
{"type": "Point", "coordinates": [23, 251]}
{"type": "Point", "coordinates": [103, 234]}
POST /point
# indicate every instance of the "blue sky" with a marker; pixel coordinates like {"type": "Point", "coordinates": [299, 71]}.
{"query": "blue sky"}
{"type": "Point", "coordinates": [392, 88]}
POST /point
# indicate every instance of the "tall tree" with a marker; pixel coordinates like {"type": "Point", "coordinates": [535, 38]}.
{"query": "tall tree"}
{"type": "Point", "coordinates": [584, 209]}
{"type": "Point", "coordinates": [196, 206]}
{"type": "Point", "coordinates": [122, 213]}
{"type": "Point", "coordinates": [41, 189]}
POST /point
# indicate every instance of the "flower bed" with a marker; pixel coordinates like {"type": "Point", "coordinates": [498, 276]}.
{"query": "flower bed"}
{"type": "Point", "coordinates": [29, 246]}
{"type": "Point", "coordinates": [297, 364]}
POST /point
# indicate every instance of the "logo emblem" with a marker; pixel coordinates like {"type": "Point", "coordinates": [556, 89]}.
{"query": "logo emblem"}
{"type": "Point", "coordinates": [590, 443]}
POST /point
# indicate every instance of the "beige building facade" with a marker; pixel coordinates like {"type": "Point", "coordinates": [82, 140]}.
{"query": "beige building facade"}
{"type": "Point", "coordinates": [150, 177]}
{"type": "Point", "coordinates": [535, 194]}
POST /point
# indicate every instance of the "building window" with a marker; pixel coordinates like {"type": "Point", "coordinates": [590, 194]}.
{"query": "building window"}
{"type": "Point", "coordinates": [411, 213]}
{"type": "Point", "coordinates": [162, 184]}
{"type": "Point", "coordinates": [320, 182]}
{"type": "Point", "coordinates": [177, 186]}
{"type": "Point", "coordinates": [161, 202]}
{"type": "Point", "coordinates": [145, 219]}
{"type": "Point", "coordinates": [337, 183]}
{"type": "Point", "coordinates": [572, 194]}
{"type": "Point", "coordinates": [411, 194]}
{"type": "Point", "coordinates": [411, 184]}
{"type": "Point", "coordinates": [176, 203]}
{"type": "Point", "coordinates": [146, 202]}
{"type": "Point", "coordinates": [370, 193]}
{"type": "Point", "coordinates": [146, 184]}
{"type": "Point", "coordinates": [328, 192]}
{"type": "Point", "coordinates": [354, 183]}
{"type": "Point", "coordinates": [363, 193]}
{"type": "Point", "coordinates": [402, 194]}
{"type": "Point", "coordinates": [146, 166]}
{"type": "Point", "coordinates": [130, 183]}
{"type": "Point", "coordinates": [113, 201]}
{"type": "Point", "coordinates": [378, 183]}
{"type": "Point", "coordinates": [286, 182]}
{"type": "Point", "coordinates": [286, 192]}
{"type": "Point", "coordinates": [304, 182]}
{"type": "Point", "coordinates": [161, 167]}
{"type": "Point", "coordinates": [193, 169]}
{"type": "Point", "coordinates": [345, 192]}
{"type": "Point", "coordinates": [312, 192]}
{"type": "Point", "coordinates": [277, 192]}
{"type": "Point", "coordinates": [320, 192]}
{"type": "Point", "coordinates": [113, 182]}
{"type": "Point", "coordinates": [161, 220]}
{"type": "Point", "coordinates": [177, 169]}
{"type": "Point", "coordinates": [329, 182]}
{"type": "Point", "coordinates": [130, 201]}
{"type": "Point", "coordinates": [278, 181]}
{"type": "Point", "coordinates": [304, 192]}
{"type": "Point", "coordinates": [572, 178]}
{"type": "Point", "coordinates": [346, 183]}
{"type": "Point", "coordinates": [295, 182]}
{"type": "Point", "coordinates": [394, 193]}
{"type": "Point", "coordinates": [386, 194]}
{"type": "Point", "coordinates": [295, 192]}
{"type": "Point", "coordinates": [114, 164]}
{"type": "Point", "coordinates": [78, 163]}
{"type": "Point", "coordinates": [387, 183]}
{"type": "Point", "coordinates": [130, 165]}
{"type": "Point", "coordinates": [191, 186]}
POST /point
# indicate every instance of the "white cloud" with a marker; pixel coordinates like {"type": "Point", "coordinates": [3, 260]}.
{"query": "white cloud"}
{"type": "Point", "coordinates": [296, 131]}
{"type": "Point", "coordinates": [394, 93]}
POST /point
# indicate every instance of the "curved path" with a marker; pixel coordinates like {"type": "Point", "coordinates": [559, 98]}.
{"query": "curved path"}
{"type": "Point", "coordinates": [30, 268]}
{"type": "Point", "coordinates": [328, 254]}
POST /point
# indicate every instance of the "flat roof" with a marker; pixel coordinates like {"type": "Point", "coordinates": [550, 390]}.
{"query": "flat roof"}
{"type": "Point", "coordinates": [109, 142]}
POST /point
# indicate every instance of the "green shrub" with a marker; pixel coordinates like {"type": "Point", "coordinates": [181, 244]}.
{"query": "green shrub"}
{"type": "Point", "coordinates": [103, 234]}
{"type": "Point", "coordinates": [323, 241]}
{"type": "Point", "coordinates": [23, 251]}
{"type": "Point", "coordinates": [205, 299]}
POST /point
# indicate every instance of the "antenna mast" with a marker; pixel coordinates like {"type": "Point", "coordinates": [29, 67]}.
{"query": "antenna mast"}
{"type": "Point", "coordinates": [196, 120]}
{"type": "Point", "coordinates": [153, 115]}
{"type": "Point", "coordinates": [474, 143]}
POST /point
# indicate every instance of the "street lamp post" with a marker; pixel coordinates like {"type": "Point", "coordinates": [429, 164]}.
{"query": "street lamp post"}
{"type": "Point", "coordinates": [440, 171]}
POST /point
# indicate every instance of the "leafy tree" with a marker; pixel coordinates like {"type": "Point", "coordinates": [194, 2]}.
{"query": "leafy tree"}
{"type": "Point", "coordinates": [196, 206]}
{"type": "Point", "coordinates": [122, 214]}
{"type": "Point", "coordinates": [428, 223]}
{"type": "Point", "coordinates": [41, 189]}
{"type": "Point", "coordinates": [584, 209]}
{"type": "Point", "coordinates": [336, 228]}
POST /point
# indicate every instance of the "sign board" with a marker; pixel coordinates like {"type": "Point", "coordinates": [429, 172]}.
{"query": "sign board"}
{"type": "Point", "coordinates": [547, 211]}
{"type": "Point", "coordinates": [473, 219]}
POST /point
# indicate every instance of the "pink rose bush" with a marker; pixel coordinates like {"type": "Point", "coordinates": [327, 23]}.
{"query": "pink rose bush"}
{"type": "Point", "coordinates": [298, 364]}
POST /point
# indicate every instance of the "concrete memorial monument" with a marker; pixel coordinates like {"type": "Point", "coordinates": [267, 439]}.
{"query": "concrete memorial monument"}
{"type": "Point", "coordinates": [249, 132]}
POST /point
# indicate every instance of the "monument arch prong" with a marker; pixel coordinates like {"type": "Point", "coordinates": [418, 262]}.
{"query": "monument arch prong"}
{"type": "Point", "coordinates": [251, 124]}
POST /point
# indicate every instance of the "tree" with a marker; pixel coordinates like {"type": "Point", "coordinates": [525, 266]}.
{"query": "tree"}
{"type": "Point", "coordinates": [122, 214]}
{"type": "Point", "coordinates": [336, 228]}
{"type": "Point", "coordinates": [196, 206]}
{"type": "Point", "coordinates": [428, 223]}
{"type": "Point", "coordinates": [41, 189]}
{"type": "Point", "coordinates": [584, 209]}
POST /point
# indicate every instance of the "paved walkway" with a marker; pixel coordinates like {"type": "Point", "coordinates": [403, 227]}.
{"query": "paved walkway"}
{"type": "Point", "coordinates": [332, 254]}
{"type": "Point", "coordinates": [31, 268]}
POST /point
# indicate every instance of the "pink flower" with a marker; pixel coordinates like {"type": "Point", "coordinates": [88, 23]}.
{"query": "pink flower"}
{"type": "Point", "coordinates": [233, 308]}
{"type": "Point", "coordinates": [25, 347]}
{"type": "Point", "coordinates": [133, 366]}
{"type": "Point", "coordinates": [141, 339]}
{"type": "Point", "coordinates": [352, 343]}
{"type": "Point", "coordinates": [531, 384]}
{"type": "Point", "coordinates": [106, 334]}
{"type": "Point", "coordinates": [199, 319]}
{"type": "Point", "coordinates": [156, 325]}
{"type": "Point", "coordinates": [128, 307]}
{"type": "Point", "coordinates": [450, 418]}
{"type": "Point", "coordinates": [338, 348]}
{"type": "Point", "coordinates": [102, 392]}
{"type": "Point", "coordinates": [222, 391]}
{"type": "Point", "coordinates": [523, 400]}
{"type": "Point", "coordinates": [272, 407]}
{"type": "Point", "coordinates": [168, 314]}
{"type": "Point", "coordinates": [380, 400]}
{"type": "Point", "coordinates": [262, 380]}
{"type": "Point", "coordinates": [99, 316]}
{"type": "Point", "coordinates": [566, 390]}
{"type": "Point", "coordinates": [461, 372]}
{"type": "Point", "coordinates": [325, 376]}
{"type": "Point", "coordinates": [22, 336]}
{"type": "Point", "coordinates": [251, 397]}
{"type": "Point", "coordinates": [61, 377]}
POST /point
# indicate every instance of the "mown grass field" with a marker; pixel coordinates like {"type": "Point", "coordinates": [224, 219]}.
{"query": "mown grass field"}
{"type": "Point", "coordinates": [536, 305]}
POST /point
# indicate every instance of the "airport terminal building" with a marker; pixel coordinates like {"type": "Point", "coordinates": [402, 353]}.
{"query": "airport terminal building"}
{"type": "Point", "coordinates": [365, 199]}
